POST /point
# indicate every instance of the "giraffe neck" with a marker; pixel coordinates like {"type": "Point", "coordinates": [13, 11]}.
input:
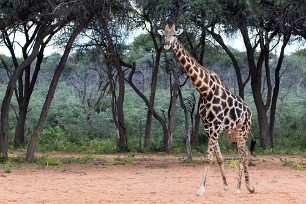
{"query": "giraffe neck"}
{"type": "Point", "coordinates": [199, 75]}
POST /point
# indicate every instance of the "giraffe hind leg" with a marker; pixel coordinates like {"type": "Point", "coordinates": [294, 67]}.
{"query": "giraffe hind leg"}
{"type": "Point", "coordinates": [246, 173]}
{"type": "Point", "coordinates": [243, 166]}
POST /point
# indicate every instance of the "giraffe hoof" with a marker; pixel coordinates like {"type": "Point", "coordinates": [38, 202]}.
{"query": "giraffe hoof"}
{"type": "Point", "coordinates": [201, 191]}
{"type": "Point", "coordinates": [252, 190]}
{"type": "Point", "coordinates": [238, 191]}
{"type": "Point", "coordinates": [225, 189]}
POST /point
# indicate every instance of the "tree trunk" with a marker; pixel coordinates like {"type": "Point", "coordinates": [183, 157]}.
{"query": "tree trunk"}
{"type": "Point", "coordinates": [277, 85]}
{"type": "Point", "coordinates": [174, 93]}
{"type": "Point", "coordinates": [113, 98]}
{"type": "Point", "coordinates": [44, 112]}
{"type": "Point", "coordinates": [20, 128]}
{"type": "Point", "coordinates": [9, 93]}
{"type": "Point", "coordinates": [260, 107]}
{"type": "Point", "coordinates": [196, 125]}
{"type": "Point", "coordinates": [122, 140]}
{"type": "Point", "coordinates": [171, 116]}
{"type": "Point", "coordinates": [114, 58]}
{"type": "Point", "coordinates": [24, 103]}
{"type": "Point", "coordinates": [256, 75]}
{"type": "Point", "coordinates": [240, 82]}
{"type": "Point", "coordinates": [146, 101]}
{"type": "Point", "coordinates": [187, 127]}
{"type": "Point", "coordinates": [147, 142]}
{"type": "Point", "coordinates": [198, 54]}
{"type": "Point", "coordinates": [263, 122]}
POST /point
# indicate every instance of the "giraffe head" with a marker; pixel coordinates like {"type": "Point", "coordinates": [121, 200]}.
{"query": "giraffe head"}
{"type": "Point", "coordinates": [170, 35]}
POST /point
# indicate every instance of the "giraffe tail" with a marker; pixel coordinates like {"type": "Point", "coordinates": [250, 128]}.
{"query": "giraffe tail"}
{"type": "Point", "coordinates": [253, 143]}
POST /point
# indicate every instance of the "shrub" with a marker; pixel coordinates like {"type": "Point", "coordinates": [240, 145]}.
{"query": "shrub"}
{"type": "Point", "coordinates": [47, 160]}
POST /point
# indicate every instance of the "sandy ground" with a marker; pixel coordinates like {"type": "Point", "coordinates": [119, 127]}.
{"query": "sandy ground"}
{"type": "Point", "coordinates": [150, 179]}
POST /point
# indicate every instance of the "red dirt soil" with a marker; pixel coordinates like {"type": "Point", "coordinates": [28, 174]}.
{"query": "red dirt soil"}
{"type": "Point", "coordinates": [150, 179]}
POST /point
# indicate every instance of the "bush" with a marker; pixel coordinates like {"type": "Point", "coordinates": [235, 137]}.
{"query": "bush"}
{"type": "Point", "coordinates": [48, 161]}
{"type": "Point", "coordinates": [290, 129]}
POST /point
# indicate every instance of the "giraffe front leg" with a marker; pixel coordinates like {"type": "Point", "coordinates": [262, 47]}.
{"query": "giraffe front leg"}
{"type": "Point", "coordinates": [210, 151]}
{"type": "Point", "coordinates": [201, 190]}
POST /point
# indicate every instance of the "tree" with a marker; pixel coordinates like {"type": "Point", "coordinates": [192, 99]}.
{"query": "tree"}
{"type": "Point", "coordinates": [107, 35]}
{"type": "Point", "coordinates": [14, 18]}
{"type": "Point", "coordinates": [91, 9]}
{"type": "Point", "coordinates": [88, 75]}
{"type": "Point", "coordinates": [154, 16]}
{"type": "Point", "coordinates": [26, 80]}
{"type": "Point", "coordinates": [44, 113]}
{"type": "Point", "coordinates": [150, 15]}
{"type": "Point", "coordinates": [269, 22]}
{"type": "Point", "coordinates": [188, 109]}
{"type": "Point", "coordinates": [46, 19]}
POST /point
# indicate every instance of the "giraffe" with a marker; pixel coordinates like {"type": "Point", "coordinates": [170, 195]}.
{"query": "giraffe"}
{"type": "Point", "coordinates": [220, 111]}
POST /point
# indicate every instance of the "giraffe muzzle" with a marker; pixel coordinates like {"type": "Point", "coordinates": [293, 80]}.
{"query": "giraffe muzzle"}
{"type": "Point", "coordinates": [167, 45]}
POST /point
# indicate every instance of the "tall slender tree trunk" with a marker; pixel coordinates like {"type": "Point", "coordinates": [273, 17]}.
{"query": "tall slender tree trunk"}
{"type": "Point", "coordinates": [122, 140]}
{"type": "Point", "coordinates": [237, 68]}
{"type": "Point", "coordinates": [174, 93]}
{"type": "Point", "coordinates": [263, 122]}
{"type": "Point", "coordinates": [113, 98]}
{"type": "Point", "coordinates": [199, 55]}
{"type": "Point", "coordinates": [261, 108]}
{"type": "Point", "coordinates": [171, 117]}
{"type": "Point", "coordinates": [9, 93]}
{"type": "Point", "coordinates": [146, 101]}
{"type": "Point", "coordinates": [195, 125]}
{"type": "Point", "coordinates": [114, 59]}
{"type": "Point", "coordinates": [20, 128]}
{"type": "Point", "coordinates": [19, 139]}
{"type": "Point", "coordinates": [256, 69]}
{"type": "Point", "coordinates": [147, 142]}
{"type": "Point", "coordinates": [187, 127]}
{"type": "Point", "coordinates": [44, 112]}
{"type": "Point", "coordinates": [277, 84]}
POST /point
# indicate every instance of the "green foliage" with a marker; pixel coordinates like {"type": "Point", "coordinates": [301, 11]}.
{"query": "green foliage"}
{"type": "Point", "coordinates": [67, 130]}
{"type": "Point", "coordinates": [297, 61]}
{"type": "Point", "coordinates": [3, 158]}
{"type": "Point", "coordinates": [290, 129]}
{"type": "Point", "coordinates": [11, 163]}
{"type": "Point", "coordinates": [18, 160]}
{"type": "Point", "coordinates": [77, 160]}
{"type": "Point", "coordinates": [295, 165]}
{"type": "Point", "coordinates": [48, 161]}
{"type": "Point", "coordinates": [103, 105]}
{"type": "Point", "coordinates": [216, 55]}
{"type": "Point", "coordinates": [7, 167]}
{"type": "Point", "coordinates": [128, 159]}
{"type": "Point", "coordinates": [234, 164]}
{"type": "Point", "coordinates": [87, 146]}
{"type": "Point", "coordinates": [52, 135]}
{"type": "Point", "coordinates": [141, 45]}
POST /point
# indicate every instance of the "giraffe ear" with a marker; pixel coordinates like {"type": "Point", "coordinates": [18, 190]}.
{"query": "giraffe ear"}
{"type": "Point", "coordinates": [161, 32]}
{"type": "Point", "coordinates": [178, 32]}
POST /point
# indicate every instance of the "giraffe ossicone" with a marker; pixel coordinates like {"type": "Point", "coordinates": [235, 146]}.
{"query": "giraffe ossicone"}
{"type": "Point", "coordinates": [220, 110]}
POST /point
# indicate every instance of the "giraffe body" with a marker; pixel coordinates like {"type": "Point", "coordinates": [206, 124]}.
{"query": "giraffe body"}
{"type": "Point", "coordinates": [220, 110]}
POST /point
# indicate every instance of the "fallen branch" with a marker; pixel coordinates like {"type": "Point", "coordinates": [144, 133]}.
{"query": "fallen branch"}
{"type": "Point", "coordinates": [237, 158]}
